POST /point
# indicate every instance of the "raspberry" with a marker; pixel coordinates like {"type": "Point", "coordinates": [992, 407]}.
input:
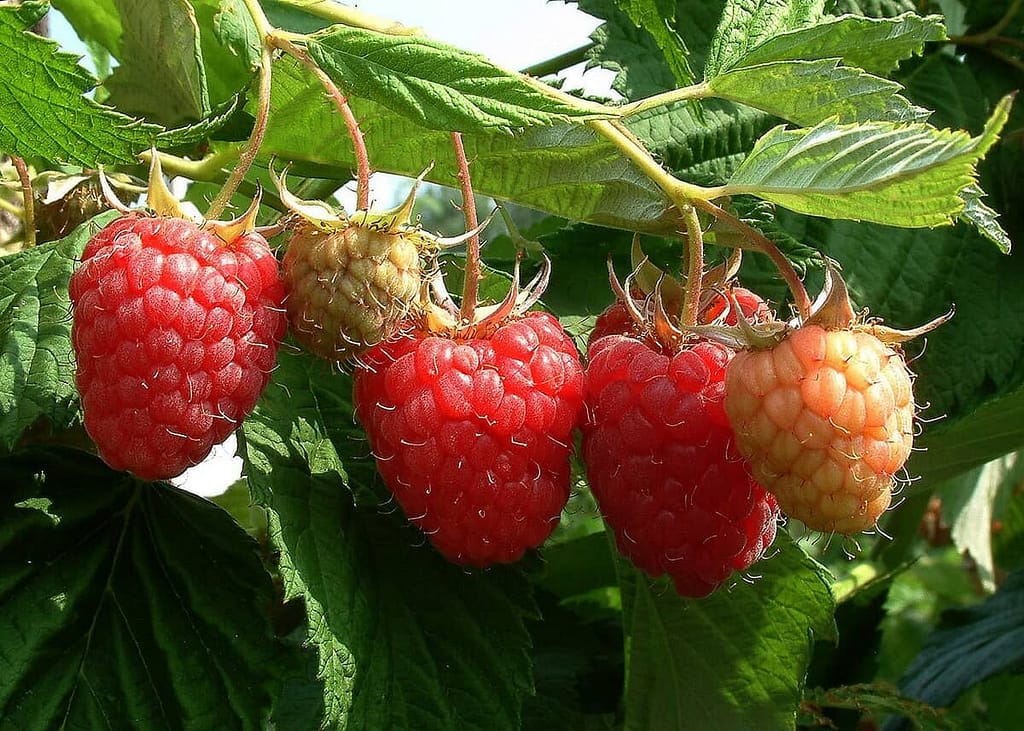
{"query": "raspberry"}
{"type": "Point", "coordinates": [825, 419]}
{"type": "Point", "coordinates": [662, 465]}
{"type": "Point", "coordinates": [473, 434]}
{"type": "Point", "coordinates": [175, 334]}
{"type": "Point", "coordinates": [349, 287]}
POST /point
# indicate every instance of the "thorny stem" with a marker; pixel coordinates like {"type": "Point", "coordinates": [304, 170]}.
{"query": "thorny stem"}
{"type": "Point", "coordinates": [695, 266]}
{"type": "Point", "coordinates": [29, 215]}
{"type": "Point", "coordinates": [766, 246]}
{"type": "Point", "coordinates": [470, 288]}
{"type": "Point", "coordinates": [341, 102]}
{"type": "Point", "coordinates": [247, 156]}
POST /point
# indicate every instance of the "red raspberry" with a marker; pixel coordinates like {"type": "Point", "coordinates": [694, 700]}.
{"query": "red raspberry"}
{"type": "Point", "coordinates": [175, 334]}
{"type": "Point", "coordinates": [473, 435]}
{"type": "Point", "coordinates": [662, 464]}
{"type": "Point", "coordinates": [825, 418]}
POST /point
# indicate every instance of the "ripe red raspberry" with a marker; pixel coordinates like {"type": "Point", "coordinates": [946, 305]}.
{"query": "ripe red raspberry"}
{"type": "Point", "coordinates": [473, 434]}
{"type": "Point", "coordinates": [825, 418]}
{"type": "Point", "coordinates": [175, 334]}
{"type": "Point", "coordinates": [662, 465]}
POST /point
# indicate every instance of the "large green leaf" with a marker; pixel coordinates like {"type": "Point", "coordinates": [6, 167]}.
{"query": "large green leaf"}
{"type": "Point", "coordinates": [161, 75]}
{"type": "Point", "coordinates": [438, 86]}
{"type": "Point", "coordinates": [43, 111]}
{"type": "Point", "coordinates": [808, 92]}
{"type": "Point", "coordinates": [746, 24]}
{"type": "Point", "coordinates": [36, 360]}
{"type": "Point", "coordinates": [565, 168]}
{"type": "Point", "coordinates": [875, 45]}
{"type": "Point", "coordinates": [902, 175]}
{"type": "Point", "coordinates": [405, 639]}
{"type": "Point", "coordinates": [734, 660]}
{"type": "Point", "coordinates": [126, 605]}
{"type": "Point", "coordinates": [658, 18]}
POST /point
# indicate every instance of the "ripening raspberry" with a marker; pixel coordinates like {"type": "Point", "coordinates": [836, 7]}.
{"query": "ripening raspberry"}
{"type": "Point", "coordinates": [825, 418]}
{"type": "Point", "coordinates": [175, 333]}
{"type": "Point", "coordinates": [472, 432]}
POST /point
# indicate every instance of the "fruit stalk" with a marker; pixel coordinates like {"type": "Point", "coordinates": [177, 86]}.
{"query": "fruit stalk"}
{"type": "Point", "coordinates": [471, 286]}
{"type": "Point", "coordinates": [351, 123]}
{"type": "Point", "coordinates": [29, 215]}
{"type": "Point", "coordinates": [695, 266]}
{"type": "Point", "coordinates": [255, 139]}
{"type": "Point", "coordinates": [767, 247]}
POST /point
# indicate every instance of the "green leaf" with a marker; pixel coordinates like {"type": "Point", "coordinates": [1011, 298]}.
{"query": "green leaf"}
{"type": "Point", "coordinates": [406, 640]}
{"type": "Point", "coordinates": [44, 112]}
{"type": "Point", "coordinates": [94, 20]}
{"type": "Point", "coordinates": [658, 18]}
{"type": "Point", "coordinates": [230, 46]}
{"type": "Point", "coordinates": [568, 168]}
{"type": "Point", "coordinates": [36, 359]}
{"type": "Point", "coordinates": [901, 175]}
{"type": "Point", "coordinates": [734, 660]}
{"type": "Point", "coordinates": [808, 92]}
{"type": "Point", "coordinates": [640, 65]}
{"type": "Point", "coordinates": [746, 24]}
{"type": "Point", "coordinates": [704, 148]}
{"type": "Point", "coordinates": [968, 504]}
{"type": "Point", "coordinates": [198, 131]}
{"type": "Point", "coordinates": [994, 429]}
{"type": "Point", "coordinates": [874, 45]}
{"type": "Point", "coordinates": [439, 86]}
{"type": "Point", "coordinates": [971, 645]}
{"type": "Point", "coordinates": [161, 75]}
{"type": "Point", "coordinates": [125, 604]}
{"type": "Point", "coordinates": [984, 218]}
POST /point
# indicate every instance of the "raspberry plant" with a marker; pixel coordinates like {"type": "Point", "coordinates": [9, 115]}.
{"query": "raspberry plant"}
{"type": "Point", "coordinates": [878, 135]}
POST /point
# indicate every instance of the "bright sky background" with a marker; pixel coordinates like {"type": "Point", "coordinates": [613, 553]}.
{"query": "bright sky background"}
{"type": "Point", "coordinates": [514, 34]}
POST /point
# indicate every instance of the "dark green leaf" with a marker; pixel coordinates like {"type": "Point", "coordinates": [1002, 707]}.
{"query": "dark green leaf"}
{"type": "Point", "coordinates": [44, 112]}
{"type": "Point", "coordinates": [125, 604]}
{"type": "Point", "coordinates": [406, 640]}
{"type": "Point", "coordinates": [734, 660]}
{"type": "Point", "coordinates": [877, 700]}
{"type": "Point", "coordinates": [201, 130]}
{"type": "Point", "coordinates": [971, 645]}
{"type": "Point", "coordinates": [36, 360]}
{"type": "Point", "coordinates": [658, 18]}
{"type": "Point", "coordinates": [438, 86]}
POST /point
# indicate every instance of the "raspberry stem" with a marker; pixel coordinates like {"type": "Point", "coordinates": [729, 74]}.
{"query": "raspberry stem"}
{"type": "Point", "coordinates": [29, 215]}
{"type": "Point", "coordinates": [341, 102]}
{"type": "Point", "coordinates": [695, 266]}
{"type": "Point", "coordinates": [766, 246]}
{"type": "Point", "coordinates": [247, 156]}
{"type": "Point", "coordinates": [470, 287]}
